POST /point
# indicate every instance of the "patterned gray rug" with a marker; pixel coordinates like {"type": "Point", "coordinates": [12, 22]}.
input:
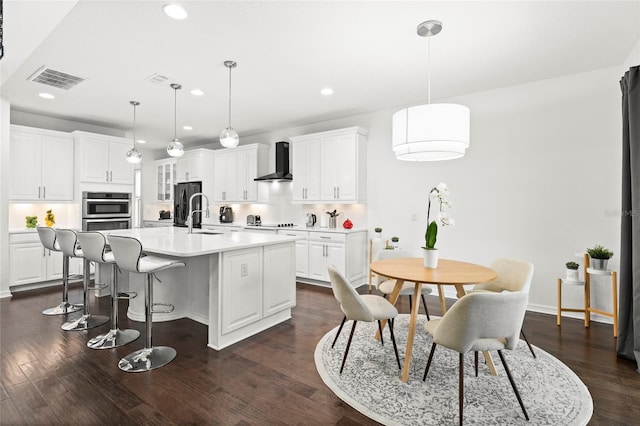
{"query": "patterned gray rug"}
{"type": "Point", "coordinates": [370, 382]}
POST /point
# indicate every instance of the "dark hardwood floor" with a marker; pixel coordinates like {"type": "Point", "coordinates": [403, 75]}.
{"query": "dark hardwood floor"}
{"type": "Point", "coordinates": [49, 376]}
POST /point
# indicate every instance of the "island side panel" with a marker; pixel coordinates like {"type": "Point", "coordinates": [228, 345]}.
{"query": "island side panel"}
{"type": "Point", "coordinates": [237, 296]}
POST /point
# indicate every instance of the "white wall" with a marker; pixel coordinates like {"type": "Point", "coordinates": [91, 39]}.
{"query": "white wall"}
{"type": "Point", "coordinates": [4, 194]}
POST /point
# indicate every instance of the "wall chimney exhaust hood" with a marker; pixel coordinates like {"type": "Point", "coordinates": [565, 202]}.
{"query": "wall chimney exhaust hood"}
{"type": "Point", "coordinates": [282, 173]}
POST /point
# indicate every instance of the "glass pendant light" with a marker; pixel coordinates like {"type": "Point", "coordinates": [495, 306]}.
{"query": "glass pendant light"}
{"type": "Point", "coordinates": [175, 148]}
{"type": "Point", "coordinates": [430, 132]}
{"type": "Point", "coordinates": [133, 155]}
{"type": "Point", "coordinates": [229, 137]}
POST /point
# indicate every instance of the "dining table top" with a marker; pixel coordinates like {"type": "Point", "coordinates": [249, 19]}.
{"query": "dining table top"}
{"type": "Point", "coordinates": [450, 272]}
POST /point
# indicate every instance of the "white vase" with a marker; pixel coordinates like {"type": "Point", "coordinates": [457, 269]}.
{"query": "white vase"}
{"type": "Point", "coordinates": [572, 275]}
{"type": "Point", "coordinates": [430, 258]}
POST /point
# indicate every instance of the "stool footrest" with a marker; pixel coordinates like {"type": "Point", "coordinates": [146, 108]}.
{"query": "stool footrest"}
{"type": "Point", "coordinates": [97, 286]}
{"type": "Point", "coordinates": [168, 307]}
{"type": "Point", "coordinates": [127, 295]}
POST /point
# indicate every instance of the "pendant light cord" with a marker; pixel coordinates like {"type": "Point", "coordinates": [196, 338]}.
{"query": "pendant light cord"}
{"type": "Point", "coordinates": [134, 126]}
{"type": "Point", "coordinates": [229, 97]}
{"type": "Point", "coordinates": [428, 70]}
{"type": "Point", "coordinates": [175, 113]}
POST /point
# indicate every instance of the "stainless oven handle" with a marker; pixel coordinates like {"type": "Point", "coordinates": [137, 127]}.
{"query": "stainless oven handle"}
{"type": "Point", "coordinates": [121, 219]}
{"type": "Point", "coordinates": [107, 200]}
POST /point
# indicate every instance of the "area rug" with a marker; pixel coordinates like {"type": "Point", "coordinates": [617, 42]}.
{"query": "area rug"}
{"type": "Point", "coordinates": [370, 382]}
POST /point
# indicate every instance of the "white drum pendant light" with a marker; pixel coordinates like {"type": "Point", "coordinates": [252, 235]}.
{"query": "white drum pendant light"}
{"type": "Point", "coordinates": [430, 132]}
{"type": "Point", "coordinates": [228, 137]}
{"type": "Point", "coordinates": [133, 155]}
{"type": "Point", "coordinates": [175, 148]}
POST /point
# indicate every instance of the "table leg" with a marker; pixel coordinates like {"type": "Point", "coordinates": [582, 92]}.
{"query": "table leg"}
{"type": "Point", "coordinates": [411, 332]}
{"type": "Point", "coordinates": [392, 299]}
{"type": "Point", "coordinates": [443, 304]}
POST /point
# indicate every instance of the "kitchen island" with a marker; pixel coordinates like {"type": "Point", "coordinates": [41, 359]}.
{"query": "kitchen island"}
{"type": "Point", "coordinates": [238, 284]}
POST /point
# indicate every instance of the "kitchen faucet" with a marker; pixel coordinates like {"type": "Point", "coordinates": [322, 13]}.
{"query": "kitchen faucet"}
{"type": "Point", "coordinates": [191, 211]}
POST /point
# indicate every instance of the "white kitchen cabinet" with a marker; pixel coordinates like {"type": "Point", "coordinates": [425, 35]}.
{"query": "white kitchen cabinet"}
{"type": "Point", "coordinates": [306, 167]}
{"type": "Point", "coordinates": [316, 250]}
{"type": "Point", "coordinates": [330, 166]}
{"type": "Point", "coordinates": [194, 165]}
{"type": "Point", "coordinates": [235, 170]}
{"type": "Point", "coordinates": [41, 165]}
{"type": "Point", "coordinates": [165, 179]}
{"type": "Point", "coordinates": [102, 159]}
{"type": "Point", "coordinates": [302, 251]}
{"type": "Point", "coordinates": [279, 266]}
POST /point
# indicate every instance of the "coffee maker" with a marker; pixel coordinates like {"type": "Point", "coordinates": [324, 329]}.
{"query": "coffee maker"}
{"type": "Point", "coordinates": [226, 214]}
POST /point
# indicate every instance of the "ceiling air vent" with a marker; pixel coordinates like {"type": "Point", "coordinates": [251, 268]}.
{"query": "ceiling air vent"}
{"type": "Point", "coordinates": [160, 79]}
{"type": "Point", "coordinates": [55, 78]}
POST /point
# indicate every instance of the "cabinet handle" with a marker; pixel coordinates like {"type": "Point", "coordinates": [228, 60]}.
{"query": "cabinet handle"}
{"type": "Point", "coordinates": [291, 235]}
{"type": "Point", "coordinates": [325, 238]}
{"type": "Point", "coordinates": [111, 176]}
{"type": "Point", "coordinates": [107, 178]}
{"type": "Point", "coordinates": [44, 192]}
{"type": "Point", "coordinates": [186, 176]}
{"type": "Point", "coordinates": [38, 192]}
{"type": "Point", "coordinates": [338, 189]}
{"type": "Point", "coordinates": [44, 252]}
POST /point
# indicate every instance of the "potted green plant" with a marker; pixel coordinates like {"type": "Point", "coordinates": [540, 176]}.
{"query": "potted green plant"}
{"type": "Point", "coordinates": [572, 271]}
{"type": "Point", "coordinates": [599, 257]}
{"type": "Point", "coordinates": [394, 242]}
{"type": "Point", "coordinates": [430, 251]}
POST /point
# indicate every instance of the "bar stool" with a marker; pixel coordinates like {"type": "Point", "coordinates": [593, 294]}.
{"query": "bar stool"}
{"type": "Point", "coordinates": [49, 241]}
{"type": "Point", "coordinates": [94, 248]}
{"type": "Point", "coordinates": [68, 240]}
{"type": "Point", "coordinates": [129, 257]}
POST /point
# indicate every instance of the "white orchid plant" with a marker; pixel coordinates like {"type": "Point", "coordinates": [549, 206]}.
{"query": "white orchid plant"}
{"type": "Point", "coordinates": [439, 193]}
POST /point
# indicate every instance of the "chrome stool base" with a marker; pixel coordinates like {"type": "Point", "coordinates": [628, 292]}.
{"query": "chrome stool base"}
{"type": "Point", "coordinates": [113, 339]}
{"type": "Point", "coordinates": [147, 359]}
{"type": "Point", "coordinates": [62, 309]}
{"type": "Point", "coordinates": [85, 322]}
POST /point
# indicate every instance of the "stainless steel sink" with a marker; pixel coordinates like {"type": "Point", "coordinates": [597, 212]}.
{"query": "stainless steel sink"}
{"type": "Point", "coordinates": [209, 232]}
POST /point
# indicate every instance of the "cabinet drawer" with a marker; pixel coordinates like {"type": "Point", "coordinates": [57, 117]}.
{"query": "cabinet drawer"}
{"type": "Point", "coordinates": [327, 237]}
{"type": "Point", "coordinates": [30, 237]}
{"type": "Point", "coordinates": [300, 234]}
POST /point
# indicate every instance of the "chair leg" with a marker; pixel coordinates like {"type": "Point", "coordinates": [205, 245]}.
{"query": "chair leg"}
{"type": "Point", "coordinates": [393, 340]}
{"type": "Point", "coordinates": [380, 330]}
{"type": "Point", "coordinates": [461, 388]}
{"type": "Point", "coordinates": [410, 303]}
{"type": "Point", "coordinates": [426, 310]}
{"type": "Point", "coordinates": [64, 307]}
{"type": "Point", "coordinates": [87, 320]}
{"type": "Point", "coordinates": [346, 351]}
{"type": "Point", "coordinates": [513, 385]}
{"type": "Point", "coordinates": [528, 344]}
{"type": "Point", "coordinates": [426, 370]}
{"type": "Point", "coordinates": [344, 319]}
{"type": "Point", "coordinates": [475, 358]}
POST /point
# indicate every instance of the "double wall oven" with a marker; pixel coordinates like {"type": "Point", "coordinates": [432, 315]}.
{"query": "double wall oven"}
{"type": "Point", "coordinates": [106, 210]}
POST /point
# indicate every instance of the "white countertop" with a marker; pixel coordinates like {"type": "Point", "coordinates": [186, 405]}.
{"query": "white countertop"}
{"type": "Point", "coordinates": [287, 228]}
{"type": "Point", "coordinates": [173, 241]}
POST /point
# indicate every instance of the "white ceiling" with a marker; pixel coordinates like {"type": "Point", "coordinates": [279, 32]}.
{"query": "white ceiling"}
{"type": "Point", "coordinates": [286, 51]}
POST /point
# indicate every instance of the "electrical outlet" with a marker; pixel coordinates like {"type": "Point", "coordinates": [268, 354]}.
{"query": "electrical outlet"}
{"type": "Point", "coordinates": [244, 270]}
{"type": "Point", "coordinates": [414, 217]}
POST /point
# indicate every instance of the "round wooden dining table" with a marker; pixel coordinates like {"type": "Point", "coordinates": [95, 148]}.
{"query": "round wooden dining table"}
{"type": "Point", "coordinates": [448, 272]}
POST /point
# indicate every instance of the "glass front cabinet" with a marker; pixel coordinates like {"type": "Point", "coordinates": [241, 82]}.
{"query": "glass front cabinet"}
{"type": "Point", "coordinates": [165, 179]}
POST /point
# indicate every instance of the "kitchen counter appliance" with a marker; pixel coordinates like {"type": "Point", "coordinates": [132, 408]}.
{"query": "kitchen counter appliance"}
{"type": "Point", "coordinates": [106, 210]}
{"type": "Point", "coordinates": [165, 214]}
{"type": "Point", "coordinates": [182, 193]}
{"type": "Point", "coordinates": [226, 214]}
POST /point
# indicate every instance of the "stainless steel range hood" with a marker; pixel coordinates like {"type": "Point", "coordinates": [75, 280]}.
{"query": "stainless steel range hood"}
{"type": "Point", "coordinates": [282, 173]}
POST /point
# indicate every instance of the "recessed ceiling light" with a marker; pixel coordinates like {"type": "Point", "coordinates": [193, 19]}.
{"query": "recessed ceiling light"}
{"type": "Point", "coordinates": [46, 95]}
{"type": "Point", "coordinates": [327, 91]}
{"type": "Point", "coordinates": [174, 11]}
{"type": "Point", "coordinates": [197, 92]}
{"type": "Point", "coordinates": [141, 141]}
{"type": "Point", "coordinates": [187, 127]}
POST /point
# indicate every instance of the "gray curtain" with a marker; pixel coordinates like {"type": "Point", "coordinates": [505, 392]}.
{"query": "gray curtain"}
{"type": "Point", "coordinates": [628, 345]}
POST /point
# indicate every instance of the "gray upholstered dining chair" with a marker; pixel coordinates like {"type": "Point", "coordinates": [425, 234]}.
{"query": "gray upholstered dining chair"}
{"type": "Point", "coordinates": [356, 307]}
{"type": "Point", "coordinates": [513, 275]}
{"type": "Point", "coordinates": [480, 322]}
{"type": "Point", "coordinates": [386, 286]}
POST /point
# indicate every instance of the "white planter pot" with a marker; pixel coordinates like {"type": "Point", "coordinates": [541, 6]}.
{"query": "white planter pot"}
{"type": "Point", "coordinates": [377, 235]}
{"type": "Point", "coordinates": [573, 275]}
{"type": "Point", "coordinates": [430, 258]}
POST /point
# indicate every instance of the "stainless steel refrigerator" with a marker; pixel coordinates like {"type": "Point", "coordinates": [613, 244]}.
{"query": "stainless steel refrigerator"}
{"type": "Point", "coordinates": [181, 195]}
